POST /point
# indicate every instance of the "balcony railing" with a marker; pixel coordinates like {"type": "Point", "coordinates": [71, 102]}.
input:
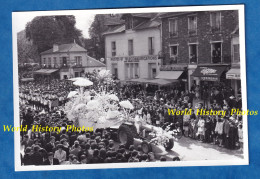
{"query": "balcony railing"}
{"type": "Point", "coordinates": [173, 34]}
{"type": "Point", "coordinates": [192, 31]}
{"type": "Point", "coordinates": [215, 29]}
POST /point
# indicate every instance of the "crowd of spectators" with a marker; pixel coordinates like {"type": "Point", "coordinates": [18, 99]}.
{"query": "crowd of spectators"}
{"type": "Point", "coordinates": [151, 105]}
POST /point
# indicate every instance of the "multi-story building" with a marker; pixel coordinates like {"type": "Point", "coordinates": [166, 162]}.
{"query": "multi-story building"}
{"type": "Point", "coordinates": [67, 61]}
{"type": "Point", "coordinates": [197, 44]}
{"type": "Point", "coordinates": [132, 47]}
{"type": "Point", "coordinates": [234, 73]}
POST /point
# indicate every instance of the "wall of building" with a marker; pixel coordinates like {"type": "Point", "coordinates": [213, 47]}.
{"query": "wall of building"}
{"type": "Point", "coordinates": [141, 48]}
{"type": "Point", "coordinates": [140, 41]}
{"type": "Point", "coordinates": [204, 36]}
{"type": "Point", "coordinates": [70, 58]}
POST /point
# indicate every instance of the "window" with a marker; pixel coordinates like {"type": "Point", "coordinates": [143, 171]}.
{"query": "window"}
{"type": "Point", "coordinates": [49, 62]}
{"type": "Point", "coordinates": [236, 54]}
{"type": "Point", "coordinates": [44, 61]}
{"type": "Point", "coordinates": [173, 53]}
{"type": "Point", "coordinates": [130, 47]}
{"type": "Point", "coordinates": [129, 23]}
{"type": "Point", "coordinates": [54, 62]}
{"type": "Point", "coordinates": [216, 53]}
{"type": "Point", "coordinates": [150, 45]}
{"type": "Point", "coordinates": [192, 25]}
{"type": "Point", "coordinates": [64, 61]}
{"type": "Point", "coordinates": [193, 53]}
{"type": "Point", "coordinates": [215, 20]}
{"type": "Point", "coordinates": [78, 60]}
{"type": "Point", "coordinates": [113, 48]}
{"type": "Point", "coordinates": [173, 27]}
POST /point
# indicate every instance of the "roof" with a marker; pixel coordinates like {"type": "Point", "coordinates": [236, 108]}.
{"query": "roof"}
{"type": "Point", "coordinates": [117, 29]}
{"type": "Point", "coordinates": [148, 24]}
{"type": "Point", "coordinates": [111, 22]}
{"type": "Point", "coordinates": [172, 14]}
{"type": "Point", "coordinates": [92, 62]}
{"type": "Point", "coordinates": [144, 15]}
{"type": "Point", "coordinates": [45, 71]}
{"type": "Point", "coordinates": [72, 47]}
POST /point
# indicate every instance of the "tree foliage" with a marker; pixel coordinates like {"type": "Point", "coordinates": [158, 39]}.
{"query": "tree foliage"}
{"type": "Point", "coordinates": [44, 31]}
{"type": "Point", "coordinates": [96, 44]}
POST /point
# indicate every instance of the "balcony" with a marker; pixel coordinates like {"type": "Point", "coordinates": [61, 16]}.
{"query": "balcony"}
{"type": "Point", "coordinates": [173, 34]}
{"type": "Point", "coordinates": [215, 29]}
{"type": "Point", "coordinates": [192, 32]}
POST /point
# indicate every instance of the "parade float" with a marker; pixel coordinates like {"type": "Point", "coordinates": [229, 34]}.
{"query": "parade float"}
{"type": "Point", "coordinates": [95, 106]}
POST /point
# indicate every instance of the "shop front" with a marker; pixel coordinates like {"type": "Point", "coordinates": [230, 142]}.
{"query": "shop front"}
{"type": "Point", "coordinates": [234, 76]}
{"type": "Point", "coordinates": [133, 67]}
{"type": "Point", "coordinates": [209, 75]}
{"type": "Point", "coordinates": [173, 74]}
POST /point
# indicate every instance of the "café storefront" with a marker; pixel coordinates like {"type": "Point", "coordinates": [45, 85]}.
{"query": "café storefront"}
{"type": "Point", "coordinates": [209, 75]}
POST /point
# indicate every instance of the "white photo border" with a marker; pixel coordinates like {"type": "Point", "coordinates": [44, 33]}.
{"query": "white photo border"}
{"type": "Point", "coordinates": [244, 161]}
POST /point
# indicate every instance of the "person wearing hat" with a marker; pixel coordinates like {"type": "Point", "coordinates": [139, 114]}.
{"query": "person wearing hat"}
{"type": "Point", "coordinates": [60, 154]}
{"type": "Point", "coordinates": [51, 160]}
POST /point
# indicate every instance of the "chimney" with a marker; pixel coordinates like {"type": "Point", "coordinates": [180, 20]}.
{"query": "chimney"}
{"type": "Point", "coordinates": [55, 47]}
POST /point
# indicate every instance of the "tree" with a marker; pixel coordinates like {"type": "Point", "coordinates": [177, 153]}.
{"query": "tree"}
{"type": "Point", "coordinates": [27, 52]}
{"type": "Point", "coordinates": [96, 44]}
{"type": "Point", "coordinates": [44, 31]}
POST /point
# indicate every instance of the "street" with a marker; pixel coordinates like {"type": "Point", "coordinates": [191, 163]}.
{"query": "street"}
{"type": "Point", "coordinates": [188, 149]}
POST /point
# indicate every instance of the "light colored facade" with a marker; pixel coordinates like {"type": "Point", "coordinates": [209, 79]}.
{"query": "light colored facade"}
{"type": "Point", "coordinates": [133, 53]}
{"type": "Point", "coordinates": [69, 60]}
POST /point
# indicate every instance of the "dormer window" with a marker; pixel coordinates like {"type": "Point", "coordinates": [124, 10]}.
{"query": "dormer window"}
{"type": "Point", "coordinates": [129, 23]}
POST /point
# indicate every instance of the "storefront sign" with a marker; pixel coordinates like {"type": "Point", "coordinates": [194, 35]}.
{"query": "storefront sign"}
{"type": "Point", "coordinates": [135, 58]}
{"type": "Point", "coordinates": [209, 78]}
{"type": "Point", "coordinates": [207, 71]}
{"type": "Point", "coordinates": [173, 68]}
{"type": "Point", "coordinates": [138, 58]}
{"type": "Point", "coordinates": [116, 58]}
{"type": "Point", "coordinates": [233, 76]}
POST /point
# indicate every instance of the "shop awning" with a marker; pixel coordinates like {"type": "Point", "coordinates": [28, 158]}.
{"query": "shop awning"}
{"type": "Point", "coordinates": [27, 79]}
{"type": "Point", "coordinates": [169, 75]}
{"type": "Point", "coordinates": [139, 80]}
{"type": "Point", "coordinates": [45, 71]}
{"type": "Point", "coordinates": [162, 82]}
{"type": "Point", "coordinates": [233, 73]}
{"type": "Point", "coordinates": [209, 73]}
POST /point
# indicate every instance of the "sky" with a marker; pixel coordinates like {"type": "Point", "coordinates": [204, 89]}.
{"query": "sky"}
{"type": "Point", "coordinates": [83, 21]}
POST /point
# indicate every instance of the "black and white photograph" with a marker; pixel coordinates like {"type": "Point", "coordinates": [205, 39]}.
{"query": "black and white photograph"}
{"type": "Point", "coordinates": [137, 87]}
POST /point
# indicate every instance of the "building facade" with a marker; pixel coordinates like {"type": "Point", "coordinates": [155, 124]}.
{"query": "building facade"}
{"type": "Point", "coordinates": [234, 73]}
{"type": "Point", "coordinates": [198, 43]}
{"type": "Point", "coordinates": [67, 61]}
{"type": "Point", "coordinates": [131, 48]}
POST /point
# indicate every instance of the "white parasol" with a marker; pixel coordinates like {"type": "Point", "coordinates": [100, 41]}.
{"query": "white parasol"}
{"type": "Point", "coordinates": [83, 82]}
{"type": "Point", "coordinates": [75, 79]}
{"type": "Point", "coordinates": [113, 97]}
{"type": "Point", "coordinates": [126, 104]}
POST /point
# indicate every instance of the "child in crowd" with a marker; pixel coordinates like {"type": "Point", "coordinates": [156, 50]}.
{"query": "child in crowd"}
{"type": "Point", "coordinates": [201, 129]}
